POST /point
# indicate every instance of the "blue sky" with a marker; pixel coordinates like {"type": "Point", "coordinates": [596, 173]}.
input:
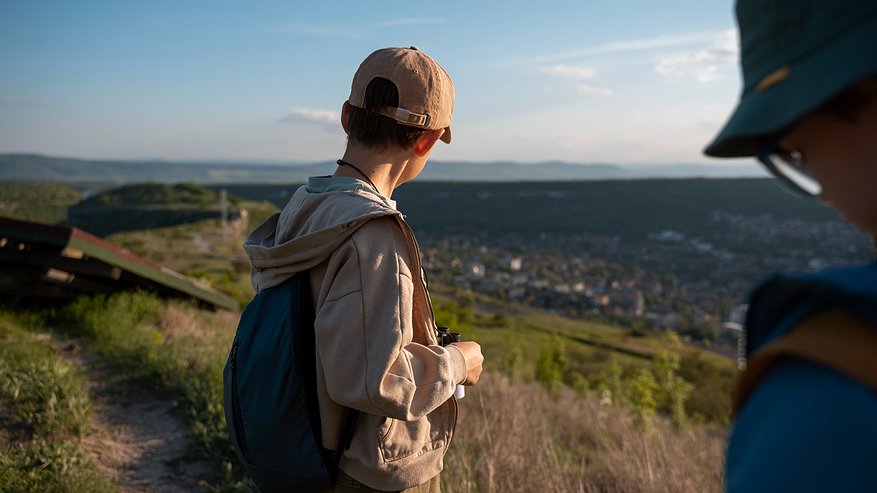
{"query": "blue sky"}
{"type": "Point", "coordinates": [630, 82]}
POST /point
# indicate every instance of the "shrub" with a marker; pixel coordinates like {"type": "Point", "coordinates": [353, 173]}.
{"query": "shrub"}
{"type": "Point", "coordinates": [552, 364]}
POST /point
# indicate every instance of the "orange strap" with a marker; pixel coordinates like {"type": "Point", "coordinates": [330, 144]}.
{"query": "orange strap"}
{"type": "Point", "coordinates": [836, 339]}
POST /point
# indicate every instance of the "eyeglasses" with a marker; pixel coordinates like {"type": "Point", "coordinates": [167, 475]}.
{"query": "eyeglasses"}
{"type": "Point", "coordinates": [790, 168]}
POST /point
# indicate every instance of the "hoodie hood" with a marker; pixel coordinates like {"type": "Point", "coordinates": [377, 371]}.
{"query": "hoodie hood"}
{"type": "Point", "coordinates": [317, 220]}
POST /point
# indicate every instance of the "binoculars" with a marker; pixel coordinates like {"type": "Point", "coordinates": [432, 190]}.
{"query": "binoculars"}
{"type": "Point", "coordinates": [445, 336]}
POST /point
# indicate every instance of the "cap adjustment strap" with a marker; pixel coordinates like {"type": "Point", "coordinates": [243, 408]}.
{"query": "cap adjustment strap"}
{"type": "Point", "coordinates": [404, 116]}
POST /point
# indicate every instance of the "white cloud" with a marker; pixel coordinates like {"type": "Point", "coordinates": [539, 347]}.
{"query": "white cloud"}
{"type": "Point", "coordinates": [312, 116]}
{"type": "Point", "coordinates": [642, 44]}
{"type": "Point", "coordinates": [593, 91]}
{"type": "Point", "coordinates": [577, 73]}
{"type": "Point", "coordinates": [569, 72]}
{"type": "Point", "coordinates": [704, 64]}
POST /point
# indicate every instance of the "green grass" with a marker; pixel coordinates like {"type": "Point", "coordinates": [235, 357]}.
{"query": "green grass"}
{"type": "Point", "coordinates": [591, 353]}
{"type": "Point", "coordinates": [44, 409]}
{"type": "Point", "coordinates": [179, 351]}
{"type": "Point", "coordinates": [201, 251]}
{"type": "Point", "coordinates": [174, 349]}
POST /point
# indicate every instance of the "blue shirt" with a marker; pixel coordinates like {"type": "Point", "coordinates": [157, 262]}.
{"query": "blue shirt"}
{"type": "Point", "coordinates": [806, 427]}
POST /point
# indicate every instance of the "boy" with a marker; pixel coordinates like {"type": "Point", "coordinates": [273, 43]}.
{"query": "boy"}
{"type": "Point", "coordinates": [806, 406]}
{"type": "Point", "coordinates": [375, 330]}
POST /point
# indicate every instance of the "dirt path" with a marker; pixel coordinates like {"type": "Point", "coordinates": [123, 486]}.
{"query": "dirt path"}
{"type": "Point", "coordinates": [134, 437]}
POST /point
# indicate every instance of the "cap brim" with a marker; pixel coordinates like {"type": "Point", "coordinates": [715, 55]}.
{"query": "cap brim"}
{"type": "Point", "coordinates": [761, 114]}
{"type": "Point", "coordinates": [446, 137]}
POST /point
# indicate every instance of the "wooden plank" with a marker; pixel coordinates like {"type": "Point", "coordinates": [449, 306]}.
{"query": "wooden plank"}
{"type": "Point", "coordinates": [83, 266]}
{"type": "Point", "coordinates": [85, 254]}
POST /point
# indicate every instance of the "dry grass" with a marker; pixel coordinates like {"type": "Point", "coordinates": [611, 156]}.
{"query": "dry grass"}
{"type": "Point", "coordinates": [198, 332]}
{"type": "Point", "coordinates": [518, 437]}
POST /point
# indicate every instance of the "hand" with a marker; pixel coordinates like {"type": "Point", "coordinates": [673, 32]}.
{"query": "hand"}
{"type": "Point", "coordinates": [474, 360]}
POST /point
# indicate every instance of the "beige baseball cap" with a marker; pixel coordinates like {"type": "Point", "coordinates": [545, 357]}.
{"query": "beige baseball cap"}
{"type": "Point", "coordinates": [426, 91]}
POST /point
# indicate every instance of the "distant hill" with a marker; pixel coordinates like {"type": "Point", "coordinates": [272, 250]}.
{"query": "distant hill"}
{"type": "Point", "coordinates": [628, 208]}
{"type": "Point", "coordinates": [145, 206]}
{"type": "Point", "coordinates": [30, 167]}
{"type": "Point", "coordinates": [43, 202]}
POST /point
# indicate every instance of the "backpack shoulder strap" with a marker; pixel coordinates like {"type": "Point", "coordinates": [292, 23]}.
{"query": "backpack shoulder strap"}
{"type": "Point", "coordinates": [305, 346]}
{"type": "Point", "coordinates": [836, 339]}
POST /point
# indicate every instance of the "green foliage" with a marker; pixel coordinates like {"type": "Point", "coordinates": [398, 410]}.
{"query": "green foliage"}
{"type": "Point", "coordinates": [45, 203]}
{"type": "Point", "coordinates": [672, 390]}
{"type": "Point", "coordinates": [45, 396]}
{"type": "Point", "coordinates": [457, 316]}
{"type": "Point", "coordinates": [50, 467]}
{"type": "Point", "coordinates": [259, 211]}
{"type": "Point", "coordinates": [552, 364]}
{"type": "Point", "coordinates": [710, 399]}
{"type": "Point", "coordinates": [108, 319]}
{"type": "Point", "coordinates": [612, 384]}
{"type": "Point", "coordinates": [642, 389]}
{"type": "Point", "coordinates": [512, 364]}
{"type": "Point", "coordinates": [154, 194]}
{"type": "Point", "coordinates": [146, 206]}
{"type": "Point", "coordinates": [122, 328]}
{"type": "Point", "coordinates": [44, 410]}
{"type": "Point", "coordinates": [690, 383]}
{"type": "Point", "coordinates": [42, 395]}
{"type": "Point", "coordinates": [658, 387]}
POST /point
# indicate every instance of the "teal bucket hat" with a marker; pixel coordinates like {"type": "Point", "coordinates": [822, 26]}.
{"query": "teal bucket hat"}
{"type": "Point", "coordinates": [795, 55]}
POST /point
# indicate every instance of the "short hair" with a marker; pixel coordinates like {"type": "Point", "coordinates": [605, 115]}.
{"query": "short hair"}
{"type": "Point", "coordinates": [849, 103]}
{"type": "Point", "coordinates": [376, 131]}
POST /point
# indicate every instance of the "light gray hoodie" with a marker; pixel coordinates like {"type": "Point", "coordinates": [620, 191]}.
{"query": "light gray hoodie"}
{"type": "Point", "coordinates": [375, 329]}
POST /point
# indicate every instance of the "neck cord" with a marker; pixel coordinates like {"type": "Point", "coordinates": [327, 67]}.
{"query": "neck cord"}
{"type": "Point", "coordinates": [342, 162]}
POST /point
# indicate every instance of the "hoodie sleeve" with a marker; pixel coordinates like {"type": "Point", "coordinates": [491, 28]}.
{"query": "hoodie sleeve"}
{"type": "Point", "coordinates": [365, 331]}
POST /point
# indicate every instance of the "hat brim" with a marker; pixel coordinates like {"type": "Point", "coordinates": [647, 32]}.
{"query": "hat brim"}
{"type": "Point", "coordinates": [446, 137]}
{"type": "Point", "coordinates": [810, 82]}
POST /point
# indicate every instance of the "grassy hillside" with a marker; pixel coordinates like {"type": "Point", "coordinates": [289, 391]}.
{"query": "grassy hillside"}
{"type": "Point", "coordinates": [513, 435]}
{"type": "Point", "coordinates": [629, 209]}
{"type": "Point", "coordinates": [127, 208]}
{"type": "Point", "coordinates": [44, 412]}
{"type": "Point", "coordinates": [565, 405]}
{"type": "Point", "coordinates": [514, 337]}
{"type": "Point", "coordinates": [47, 203]}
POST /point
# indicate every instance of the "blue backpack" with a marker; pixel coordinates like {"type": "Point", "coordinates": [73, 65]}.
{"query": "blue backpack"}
{"type": "Point", "coordinates": [270, 394]}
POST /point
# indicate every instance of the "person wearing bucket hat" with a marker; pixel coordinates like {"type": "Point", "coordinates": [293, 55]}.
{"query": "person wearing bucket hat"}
{"type": "Point", "coordinates": [377, 347]}
{"type": "Point", "coordinates": [806, 404]}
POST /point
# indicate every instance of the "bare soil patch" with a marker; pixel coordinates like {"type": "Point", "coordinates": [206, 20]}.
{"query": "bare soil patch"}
{"type": "Point", "coordinates": [134, 436]}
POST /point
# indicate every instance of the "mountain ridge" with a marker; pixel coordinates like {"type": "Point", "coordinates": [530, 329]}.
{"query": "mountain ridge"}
{"type": "Point", "coordinates": [40, 168]}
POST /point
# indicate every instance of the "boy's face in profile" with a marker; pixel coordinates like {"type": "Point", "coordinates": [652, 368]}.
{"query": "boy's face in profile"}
{"type": "Point", "coordinates": [842, 155]}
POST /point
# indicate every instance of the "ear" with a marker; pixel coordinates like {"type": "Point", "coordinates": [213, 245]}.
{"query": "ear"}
{"type": "Point", "coordinates": [345, 120]}
{"type": "Point", "coordinates": [426, 142]}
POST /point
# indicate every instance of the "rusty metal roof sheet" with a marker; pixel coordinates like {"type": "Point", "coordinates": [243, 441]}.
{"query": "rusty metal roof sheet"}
{"type": "Point", "coordinates": [46, 261]}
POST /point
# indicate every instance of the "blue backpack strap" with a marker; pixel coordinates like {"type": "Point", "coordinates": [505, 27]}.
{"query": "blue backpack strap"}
{"type": "Point", "coordinates": [784, 301]}
{"type": "Point", "coordinates": [836, 339]}
{"type": "Point", "coordinates": [305, 348]}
